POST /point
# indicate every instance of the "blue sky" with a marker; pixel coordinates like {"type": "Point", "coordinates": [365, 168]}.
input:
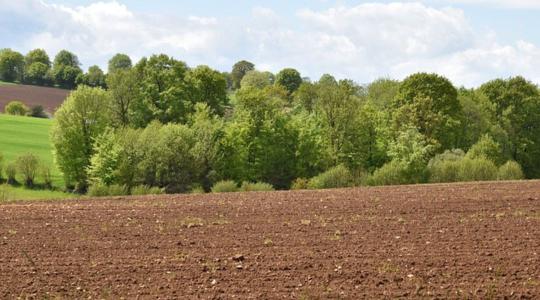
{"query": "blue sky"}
{"type": "Point", "coordinates": [469, 41]}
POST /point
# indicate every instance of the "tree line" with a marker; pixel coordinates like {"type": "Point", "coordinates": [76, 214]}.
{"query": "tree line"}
{"type": "Point", "coordinates": [160, 123]}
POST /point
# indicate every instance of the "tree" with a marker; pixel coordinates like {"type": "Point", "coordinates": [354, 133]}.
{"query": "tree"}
{"type": "Point", "coordinates": [66, 69]}
{"type": "Point", "coordinates": [37, 56]}
{"type": "Point", "coordinates": [11, 65]}
{"type": "Point", "coordinates": [77, 123]}
{"type": "Point", "coordinates": [429, 102]}
{"type": "Point", "coordinates": [94, 78]}
{"type": "Point", "coordinates": [256, 79]}
{"type": "Point", "coordinates": [124, 90]}
{"type": "Point", "coordinates": [290, 79]}
{"type": "Point", "coordinates": [164, 95]}
{"type": "Point", "coordinates": [239, 70]}
{"type": "Point", "coordinates": [27, 165]}
{"type": "Point", "coordinates": [119, 62]}
{"type": "Point", "coordinates": [37, 73]}
{"type": "Point", "coordinates": [382, 92]}
{"type": "Point", "coordinates": [207, 86]}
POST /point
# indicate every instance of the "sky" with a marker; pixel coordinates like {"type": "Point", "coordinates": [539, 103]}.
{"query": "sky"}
{"type": "Point", "coordinates": [468, 41]}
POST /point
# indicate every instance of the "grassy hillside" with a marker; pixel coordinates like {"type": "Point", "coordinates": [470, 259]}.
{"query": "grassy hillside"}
{"type": "Point", "coordinates": [20, 135]}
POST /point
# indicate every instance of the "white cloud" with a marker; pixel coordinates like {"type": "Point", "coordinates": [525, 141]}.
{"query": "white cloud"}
{"type": "Point", "coordinates": [517, 4]}
{"type": "Point", "coordinates": [361, 42]}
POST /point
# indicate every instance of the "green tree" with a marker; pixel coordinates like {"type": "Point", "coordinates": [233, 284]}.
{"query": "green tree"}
{"type": "Point", "coordinates": [207, 86]}
{"type": "Point", "coordinates": [239, 70]}
{"type": "Point", "coordinates": [124, 90]}
{"type": "Point", "coordinates": [66, 69]}
{"type": "Point", "coordinates": [94, 77]}
{"type": "Point", "coordinates": [429, 102]}
{"type": "Point", "coordinates": [290, 79]}
{"type": "Point", "coordinates": [119, 62]}
{"type": "Point", "coordinates": [11, 65]}
{"type": "Point", "coordinates": [37, 73]}
{"type": "Point", "coordinates": [81, 118]}
{"type": "Point", "coordinates": [164, 95]}
{"type": "Point", "coordinates": [256, 79]}
{"type": "Point", "coordinates": [516, 109]}
{"type": "Point", "coordinates": [382, 92]}
{"type": "Point", "coordinates": [487, 148]}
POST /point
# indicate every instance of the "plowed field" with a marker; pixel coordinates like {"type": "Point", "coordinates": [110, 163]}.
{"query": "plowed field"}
{"type": "Point", "coordinates": [49, 98]}
{"type": "Point", "coordinates": [460, 241]}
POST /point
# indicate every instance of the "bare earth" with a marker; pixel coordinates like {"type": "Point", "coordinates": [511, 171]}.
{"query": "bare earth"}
{"type": "Point", "coordinates": [461, 241]}
{"type": "Point", "coordinates": [49, 98]}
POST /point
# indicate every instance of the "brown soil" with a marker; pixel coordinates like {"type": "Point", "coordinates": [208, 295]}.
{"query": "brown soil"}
{"type": "Point", "coordinates": [49, 98]}
{"type": "Point", "coordinates": [464, 241]}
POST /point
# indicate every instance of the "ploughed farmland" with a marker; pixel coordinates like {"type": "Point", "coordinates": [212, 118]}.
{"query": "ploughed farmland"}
{"type": "Point", "coordinates": [48, 97]}
{"type": "Point", "coordinates": [478, 240]}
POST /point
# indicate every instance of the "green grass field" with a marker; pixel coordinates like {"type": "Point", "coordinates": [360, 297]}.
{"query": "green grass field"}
{"type": "Point", "coordinates": [19, 135]}
{"type": "Point", "coordinates": [10, 193]}
{"type": "Point", "coordinates": [6, 83]}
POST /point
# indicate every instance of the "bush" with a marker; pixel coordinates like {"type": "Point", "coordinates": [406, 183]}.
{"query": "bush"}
{"type": "Point", "coordinates": [5, 193]}
{"type": "Point", "coordinates": [444, 171]}
{"type": "Point", "coordinates": [336, 177]}
{"type": "Point", "coordinates": [300, 184]}
{"type": "Point", "coordinates": [16, 108]}
{"type": "Point", "coordinates": [479, 169]}
{"type": "Point", "coordinates": [46, 176]}
{"type": "Point", "coordinates": [27, 165]}
{"type": "Point", "coordinates": [102, 190]}
{"type": "Point", "coordinates": [225, 186]}
{"type": "Point", "coordinates": [197, 190]}
{"type": "Point", "coordinates": [1, 166]}
{"type": "Point", "coordinates": [256, 187]}
{"type": "Point", "coordinates": [392, 173]}
{"type": "Point", "coordinates": [37, 111]}
{"type": "Point", "coordinates": [487, 148]}
{"type": "Point", "coordinates": [11, 173]}
{"type": "Point", "coordinates": [511, 170]}
{"type": "Point", "coordinates": [142, 190]}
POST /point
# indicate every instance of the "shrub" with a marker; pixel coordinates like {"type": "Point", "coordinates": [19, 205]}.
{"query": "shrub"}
{"type": "Point", "coordinates": [102, 190]}
{"type": "Point", "coordinates": [511, 170]}
{"type": "Point", "coordinates": [225, 186]}
{"type": "Point", "coordinates": [1, 166]}
{"type": "Point", "coordinates": [486, 147]}
{"type": "Point", "coordinates": [27, 165]}
{"type": "Point", "coordinates": [5, 193]}
{"type": "Point", "coordinates": [336, 177]}
{"type": "Point", "coordinates": [142, 190]}
{"type": "Point", "coordinates": [197, 190]}
{"type": "Point", "coordinates": [46, 176]}
{"type": "Point", "coordinates": [479, 169]}
{"type": "Point", "coordinates": [300, 184]}
{"type": "Point", "coordinates": [392, 173]}
{"type": "Point", "coordinates": [256, 187]}
{"type": "Point", "coordinates": [37, 111]}
{"type": "Point", "coordinates": [11, 173]}
{"type": "Point", "coordinates": [444, 171]}
{"type": "Point", "coordinates": [16, 108]}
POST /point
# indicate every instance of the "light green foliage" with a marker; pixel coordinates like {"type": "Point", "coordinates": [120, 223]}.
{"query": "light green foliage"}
{"type": "Point", "coordinates": [78, 122]}
{"type": "Point", "coordinates": [11, 173]}
{"type": "Point", "coordinates": [11, 65]}
{"type": "Point", "coordinates": [511, 170]}
{"type": "Point", "coordinates": [102, 190]}
{"type": "Point", "coordinates": [119, 62]}
{"type": "Point", "coordinates": [225, 186]}
{"type": "Point", "coordinates": [445, 167]}
{"type": "Point", "coordinates": [412, 152]}
{"type": "Point", "coordinates": [305, 96]}
{"type": "Point", "coordinates": [45, 174]}
{"type": "Point", "coordinates": [516, 110]}
{"type": "Point", "coordinates": [16, 108]}
{"type": "Point", "coordinates": [392, 173]}
{"type": "Point", "coordinates": [123, 87]}
{"type": "Point", "coordinates": [487, 148]}
{"type": "Point", "coordinates": [478, 169]}
{"type": "Point", "coordinates": [257, 79]}
{"type": "Point", "coordinates": [240, 69]}
{"type": "Point", "coordinates": [141, 190]}
{"type": "Point", "coordinates": [11, 193]}
{"type": "Point", "coordinates": [27, 165]}
{"type": "Point", "coordinates": [382, 92]}
{"type": "Point", "coordinates": [429, 102]}
{"type": "Point", "coordinates": [290, 79]}
{"type": "Point", "coordinates": [1, 166]}
{"type": "Point", "coordinates": [336, 177]}
{"type": "Point", "coordinates": [104, 162]}
{"type": "Point", "coordinates": [256, 187]}
{"type": "Point", "coordinates": [66, 69]}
